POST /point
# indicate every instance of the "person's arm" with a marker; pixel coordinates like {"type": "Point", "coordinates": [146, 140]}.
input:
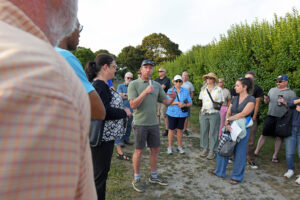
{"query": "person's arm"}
{"type": "Point", "coordinates": [228, 102]}
{"type": "Point", "coordinates": [104, 93]}
{"type": "Point", "coordinates": [192, 94]}
{"type": "Point", "coordinates": [135, 103]}
{"type": "Point", "coordinates": [246, 111]}
{"type": "Point", "coordinates": [172, 96]}
{"type": "Point", "coordinates": [257, 104]}
{"type": "Point", "coordinates": [98, 111]}
{"type": "Point", "coordinates": [293, 102]}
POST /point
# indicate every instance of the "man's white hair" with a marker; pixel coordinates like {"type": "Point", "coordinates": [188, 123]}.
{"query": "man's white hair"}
{"type": "Point", "coordinates": [128, 74]}
{"type": "Point", "coordinates": [61, 21]}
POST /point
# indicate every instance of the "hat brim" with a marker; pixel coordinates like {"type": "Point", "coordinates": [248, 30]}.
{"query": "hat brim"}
{"type": "Point", "coordinates": [205, 77]}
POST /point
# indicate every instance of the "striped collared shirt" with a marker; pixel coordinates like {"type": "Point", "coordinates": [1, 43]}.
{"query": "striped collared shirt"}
{"type": "Point", "coordinates": [44, 117]}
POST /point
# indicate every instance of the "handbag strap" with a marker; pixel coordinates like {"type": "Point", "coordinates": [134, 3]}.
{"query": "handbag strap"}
{"type": "Point", "coordinates": [210, 95]}
{"type": "Point", "coordinates": [177, 96]}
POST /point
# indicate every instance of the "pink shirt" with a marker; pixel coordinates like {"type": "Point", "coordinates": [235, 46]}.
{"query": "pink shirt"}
{"type": "Point", "coordinates": [44, 117]}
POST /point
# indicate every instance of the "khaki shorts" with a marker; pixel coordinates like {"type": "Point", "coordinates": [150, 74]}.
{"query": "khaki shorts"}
{"type": "Point", "coordinates": [149, 134]}
{"type": "Point", "coordinates": [161, 109]}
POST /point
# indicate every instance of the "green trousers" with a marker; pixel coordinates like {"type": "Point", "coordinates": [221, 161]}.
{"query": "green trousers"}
{"type": "Point", "coordinates": [209, 130]}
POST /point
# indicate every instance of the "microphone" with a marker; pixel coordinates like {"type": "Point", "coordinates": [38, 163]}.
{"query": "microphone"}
{"type": "Point", "coordinates": [150, 80]}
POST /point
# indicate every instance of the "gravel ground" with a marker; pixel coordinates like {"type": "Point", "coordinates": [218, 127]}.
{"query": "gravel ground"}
{"type": "Point", "coordinates": [189, 178]}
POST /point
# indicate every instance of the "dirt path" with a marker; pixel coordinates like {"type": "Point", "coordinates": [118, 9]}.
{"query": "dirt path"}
{"type": "Point", "coordinates": [189, 178]}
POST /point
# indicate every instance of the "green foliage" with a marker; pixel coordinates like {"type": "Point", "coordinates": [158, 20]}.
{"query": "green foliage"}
{"type": "Point", "coordinates": [267, 49]}
{"type": "Point", "coordinates": [131, 58]}
{"type": "Point", "coordinates": [159, 48]}
{"type": "Point", "coordinates": [84, 55]}
{"type": "Point", "coordinates": [104, 51]}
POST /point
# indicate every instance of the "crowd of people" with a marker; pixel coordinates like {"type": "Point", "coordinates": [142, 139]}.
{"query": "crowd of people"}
{"type": "Point", "coordinates": [48, 101]}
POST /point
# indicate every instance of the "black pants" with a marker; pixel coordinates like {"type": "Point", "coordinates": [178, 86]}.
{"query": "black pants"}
{"type": "Point", "coordinates": [101, 162]}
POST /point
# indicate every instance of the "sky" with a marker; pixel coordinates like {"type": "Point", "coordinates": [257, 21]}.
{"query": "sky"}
{"type": "Point", "coordinates": [115, 24]}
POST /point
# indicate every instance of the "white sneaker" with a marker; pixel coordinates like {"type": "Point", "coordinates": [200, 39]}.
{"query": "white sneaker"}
{"type": "Point", "coordinates": [289, 173]}
{"type": "Point", "coordinates": [298, 180]}
{"type": "Point", "coordinates": [180, 150]}
{"type": "Point", "coordinates": [169, 151]}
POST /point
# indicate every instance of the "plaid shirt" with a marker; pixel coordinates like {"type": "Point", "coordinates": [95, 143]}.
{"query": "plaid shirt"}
{"type": "Point", "coordinates": [44, 117]}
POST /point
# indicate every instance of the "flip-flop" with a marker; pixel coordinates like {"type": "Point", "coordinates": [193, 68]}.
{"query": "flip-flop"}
{"type": "Point", "coordinates": [123, 157]}
{"type": "Point", "coordinates": [275, 160]}
{"type": "Point", "coordinates": [233, 182]}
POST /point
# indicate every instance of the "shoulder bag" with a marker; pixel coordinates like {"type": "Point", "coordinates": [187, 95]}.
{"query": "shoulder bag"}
{"type": "Point", "coordinates": [226, 145]}
{"type": "Point", "coordinates": [284, 124]}
{"type": "Point", "coordinates": [216, 105]}
{"type": "Point", "coordinates": [96, 131]}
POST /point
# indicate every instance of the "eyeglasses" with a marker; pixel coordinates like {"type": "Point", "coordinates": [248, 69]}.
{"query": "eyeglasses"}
{"type": "Point", "coordinates": [129, 78]}
{"type": "Point", "coordinates": [161, 71]}
{"type": "Point", "coordinates": [178, 81]}
{"type": "Point", "coordinates": [279, 81]}
{"type": "Point", "coordinates": [80, 27]}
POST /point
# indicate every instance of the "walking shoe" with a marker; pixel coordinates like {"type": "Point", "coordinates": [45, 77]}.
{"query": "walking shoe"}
{"type": "Point", "coordinates": [180, 150]}
{"type": "Point", "coordinates": [138, 185]}
{"type": "Point", "coordinates": [169, 150]}
{"type": "Point", "coordinates": [211, 155]}
{"type": "Point", "coordinates": [253, 165]}
{"type": "Point", "coordinates": [298, 180]}
{"type": "Point", "coordinates": [289, 173]}
{"type": "Point", "coordinates": [165, 133]}
{"type": "Point", "coordinates": [186, 133]}
{"type": "Point", "coordinates": [159, 180]}
{"type": "Point", "coordinates": [204, 153]}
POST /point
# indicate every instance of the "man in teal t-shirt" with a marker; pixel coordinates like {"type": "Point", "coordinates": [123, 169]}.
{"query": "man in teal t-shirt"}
{"type": "Point", "coordinates": [68, 44]}
{"type": "Point", "coordinates": [143, 95]}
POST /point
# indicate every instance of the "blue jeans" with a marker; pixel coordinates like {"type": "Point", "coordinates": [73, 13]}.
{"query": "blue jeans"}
{"type": "Point", "coordinates": [291, 143]}
{"type": "Point", "coordinates": [127, 134]}
{"type": "Point", "coordinates": [239, 162]}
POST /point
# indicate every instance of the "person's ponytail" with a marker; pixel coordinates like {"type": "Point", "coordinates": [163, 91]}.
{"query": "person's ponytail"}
{"type": "Point", "coordinates": [91, 70]}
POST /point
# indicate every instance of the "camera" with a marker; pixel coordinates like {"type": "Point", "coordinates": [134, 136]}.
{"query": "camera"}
{"type": "Point", "coordinates": [185, 109]}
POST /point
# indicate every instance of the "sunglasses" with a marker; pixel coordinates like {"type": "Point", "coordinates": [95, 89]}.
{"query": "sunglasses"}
{"type": "Point", "coordinates": [279, 81]}
{"type": "Point", "coordinates": [129, 78]}
{"type": "Point", "coordinates": [161, 71]}
{"type": "Point", "coordinates": [178, 81]}
{"type": "Point", "coordinates": [210, 77]}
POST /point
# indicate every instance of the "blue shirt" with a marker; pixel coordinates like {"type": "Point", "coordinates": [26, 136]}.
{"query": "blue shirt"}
{"type": "Point", "coordinates": [110, 83]}
{"type": "Point", "coordinates": [175, 111]}
{"type": "Point", "coordinates": [296, 114]}
{"type": "Point", "coordinates": [77, 67]}
{"type": "Point", "coordinates": [123, 88]}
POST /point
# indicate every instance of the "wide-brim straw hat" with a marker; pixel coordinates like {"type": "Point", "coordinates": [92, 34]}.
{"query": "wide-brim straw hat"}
{"type": "Point", "coordinates": [204, 77]}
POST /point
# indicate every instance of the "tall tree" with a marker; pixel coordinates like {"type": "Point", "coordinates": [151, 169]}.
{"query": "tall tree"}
{"type": "Point", "coordinates": [104, 51]}
{"type": "Point", "coordinates": [131, 58]}
{"type": "Point", "coordinates": [158, 47]}
{"type": "Point", "coordinates": [84, 55]}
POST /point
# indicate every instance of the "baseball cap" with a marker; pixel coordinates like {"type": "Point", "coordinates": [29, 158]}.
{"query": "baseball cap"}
{"type": "Point", "coordinates": [282, 78]}
{"type": "Point", "coordinates": [177, 77]}
{"type": "Point", "coordinates": [147, 62]}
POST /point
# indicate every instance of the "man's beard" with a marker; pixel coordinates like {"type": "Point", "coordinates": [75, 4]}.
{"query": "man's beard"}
{"type": "Point", "coordinates": [61, 22]}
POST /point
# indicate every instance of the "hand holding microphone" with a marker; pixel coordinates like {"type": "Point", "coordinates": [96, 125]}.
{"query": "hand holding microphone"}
{"type": "Point", "coordinates": [150, 88]}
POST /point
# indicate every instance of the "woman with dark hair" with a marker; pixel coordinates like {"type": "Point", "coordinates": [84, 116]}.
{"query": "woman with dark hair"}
{"type": "Point", "coordinates": [99, 71]}
{"type": "Point", "coordinates": [241, 107]}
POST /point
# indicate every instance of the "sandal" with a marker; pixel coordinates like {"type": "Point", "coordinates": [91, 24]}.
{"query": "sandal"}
{"type": "Point", "coordinates": [123, 157]}
{"type": "Point", "coordinates": [211, 171]}
{"type": "Point", "coordinates": [275, 160]}
{"type": "Point", "coordinates": [233, 182]}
